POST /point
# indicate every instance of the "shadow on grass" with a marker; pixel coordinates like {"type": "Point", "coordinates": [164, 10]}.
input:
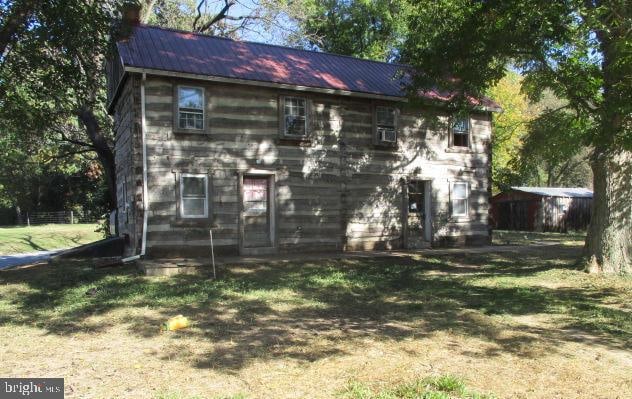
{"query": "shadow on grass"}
{"type": "Point", "coordinates": [28, 240]}
{"type": "Point", "coordinates": [312, 310]}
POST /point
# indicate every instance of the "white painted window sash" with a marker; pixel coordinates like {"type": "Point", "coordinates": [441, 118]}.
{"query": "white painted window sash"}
{"type": "Point", "coordinates": [287, 103]}
{"type": "Point", "coordinates": [465, 198]}
{"type": "Point", "coordinates": [192, 112]}
{"type": "Point", "coordinates": [182, 196]}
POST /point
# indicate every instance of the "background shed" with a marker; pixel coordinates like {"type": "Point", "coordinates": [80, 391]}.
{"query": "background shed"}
{"type": "Point", "coordinates": [542, 209]}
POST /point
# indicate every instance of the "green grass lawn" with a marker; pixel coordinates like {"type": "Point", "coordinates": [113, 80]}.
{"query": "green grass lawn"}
{"type": "Point", "coordinates": [440, 387]}
{"type": "Point", "coordinates": [14, 240]}
{"type": "Point", "coordinates": [519, 323]}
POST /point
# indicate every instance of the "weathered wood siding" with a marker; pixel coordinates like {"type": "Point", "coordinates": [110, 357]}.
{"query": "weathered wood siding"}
{"type": "Point", "coordinates": [127, 152]}
{"type": "Point", "coordinates": [565, 213]}
{"type": "Point", "coordinates": [516, 210]}
{"type": "Point", "coordinates": [338, 191]}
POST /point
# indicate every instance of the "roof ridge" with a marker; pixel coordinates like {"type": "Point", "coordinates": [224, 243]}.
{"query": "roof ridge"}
{"type": "Point", "coordinates": [271, 45]}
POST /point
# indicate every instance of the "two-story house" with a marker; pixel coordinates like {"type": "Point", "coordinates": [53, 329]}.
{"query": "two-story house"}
{"type": "Point", "coordinates": [277, 149]}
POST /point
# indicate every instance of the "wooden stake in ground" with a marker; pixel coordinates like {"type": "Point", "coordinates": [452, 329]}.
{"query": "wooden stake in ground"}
{"type": "Point", "coordinates": [212, 254]}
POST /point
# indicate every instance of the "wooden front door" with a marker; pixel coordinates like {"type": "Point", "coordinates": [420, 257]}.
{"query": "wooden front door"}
{"type": "Point", "coordinates": [417, 234]}
{"type": "Point", "coordinates": [256, 212]}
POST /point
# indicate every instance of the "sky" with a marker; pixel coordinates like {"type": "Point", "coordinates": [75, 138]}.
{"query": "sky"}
{"type": "Point", "coordinates": [259, 32]}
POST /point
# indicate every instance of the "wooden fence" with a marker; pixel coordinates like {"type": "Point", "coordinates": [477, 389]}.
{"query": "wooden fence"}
{"type": "Point", "coordinates": [58, 217]}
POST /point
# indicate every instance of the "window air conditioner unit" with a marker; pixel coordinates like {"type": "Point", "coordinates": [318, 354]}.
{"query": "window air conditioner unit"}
{"type": "Point", "coordinates": [387, 135]}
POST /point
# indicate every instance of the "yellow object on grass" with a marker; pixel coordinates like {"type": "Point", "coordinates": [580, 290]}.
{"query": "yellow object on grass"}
{"type": "Point", "coordinates": [176, 323]}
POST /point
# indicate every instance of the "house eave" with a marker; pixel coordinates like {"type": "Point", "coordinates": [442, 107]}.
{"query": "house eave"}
{"type": "Point", "coordinates": [110, 106]}
{"type": "Point", "coordinates": [221, 79]}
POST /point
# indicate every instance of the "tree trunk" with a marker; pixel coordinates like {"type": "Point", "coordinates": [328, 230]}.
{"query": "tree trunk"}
{"type": "Point", "coordinates": [609, 242]}
{"type": "Point", "coordinates": [103, 150]}
{"type": "Point", "coordinates": [608, 246]}
{"type": "Point", "coordinates": [15, 22]}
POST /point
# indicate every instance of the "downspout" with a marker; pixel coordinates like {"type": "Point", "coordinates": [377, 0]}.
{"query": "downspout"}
{"type": "Point", "coordinates": [143, 133]}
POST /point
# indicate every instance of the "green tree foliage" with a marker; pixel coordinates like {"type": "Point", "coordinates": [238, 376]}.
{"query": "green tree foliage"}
{"type": "Point", "coordinates": [372, 29]}
{"type": "Point", "coordinates": [43, 177]}
{"type": "Point", "coordinates": [52, 82]}
{"type": "Point", "coordinates": [580, 50]}
{"type": "Point", "coordinates": [172, 14]}
{"type": "Point", "coordinates": [527, 149]}
{"type": "Point", "coordinates": [555, 151]}
{"type": "Point", "coordinates": [552, 153]}
{"type": "Point", "coordinates": [52, 86]}
{"type": "Point", "coordinates": [509, 129]}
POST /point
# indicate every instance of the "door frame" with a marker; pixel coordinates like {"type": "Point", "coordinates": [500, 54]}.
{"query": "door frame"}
{"type": "Point", "coordinates": [271, 177]}
{"type": "Point", "coordinates": [427, 209]}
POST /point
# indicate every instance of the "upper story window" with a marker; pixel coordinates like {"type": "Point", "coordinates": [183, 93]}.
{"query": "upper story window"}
{"type": "Point", "coordinates": [386, 125]}
{"type": "Point", "coordinates": [193, 195]}
{"type": "Point", "coordinates": [294, 116]}
{"type": "Point", "coordinates": [190, 108]}
{"type": "Point", "coordinates": [461, 131]}
{"type": "Point", "coordinates": [459, 198]}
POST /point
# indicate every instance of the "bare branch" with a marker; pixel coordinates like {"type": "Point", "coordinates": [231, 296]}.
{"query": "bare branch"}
{"type": "Point", "coordinates": [221, 15]}
{"type": "Point", "coordinates": [199, 14]}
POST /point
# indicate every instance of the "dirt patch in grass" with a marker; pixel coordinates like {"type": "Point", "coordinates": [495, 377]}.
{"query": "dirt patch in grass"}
{"type": "Point", "coordinates": [521, 323]}
{"type": "Point", "coordinates": [15, 240]}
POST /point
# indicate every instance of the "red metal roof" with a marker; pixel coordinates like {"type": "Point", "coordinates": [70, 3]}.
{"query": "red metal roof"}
{"type": "Point", "coordinates": [163, 49]}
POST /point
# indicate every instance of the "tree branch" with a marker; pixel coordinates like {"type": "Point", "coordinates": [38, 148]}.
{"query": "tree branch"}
{"type": "Point", "coordinates": [76, 142]}
{"type": "Point", "coordinates": [65, 139]}
{"type": "Point", "coordinates": [222, 14]}
{"type": "Point", "coordinates": [68, 154]}
{"type": "Point", "coordinates": [86, 116]}
{"type": "Point", "coordinates": [586, 104]}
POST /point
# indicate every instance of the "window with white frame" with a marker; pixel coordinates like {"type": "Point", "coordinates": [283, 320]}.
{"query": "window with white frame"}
{"type": "Point", "coordinates": [295, 116]}
{"type": "Point", "coordinates": [459, 198]}
{"type": "Point", "coordinates": [193, 195]}
{"type": "Point", "coordinates": [385, 120]}
{"type": "Point", "coordinates": [190, 108]}
{"type": "Point", "coordinates": [461, 131]}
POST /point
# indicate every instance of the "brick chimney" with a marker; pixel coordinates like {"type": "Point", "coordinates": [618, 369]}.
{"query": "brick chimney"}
{"type": "Point", "coordinates": [130, 18]}
{"type": "Point", "coordinates": [131, 14]}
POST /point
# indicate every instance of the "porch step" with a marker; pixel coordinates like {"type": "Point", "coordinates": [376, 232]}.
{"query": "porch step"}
{"type": "Point", "coordinates": [171, 267]}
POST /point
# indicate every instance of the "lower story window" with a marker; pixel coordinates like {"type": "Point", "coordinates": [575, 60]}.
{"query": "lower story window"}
{"type": "Point", "coordinates": [193, 196]}
{"type": "Point", "coordinates": [459, 198]}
